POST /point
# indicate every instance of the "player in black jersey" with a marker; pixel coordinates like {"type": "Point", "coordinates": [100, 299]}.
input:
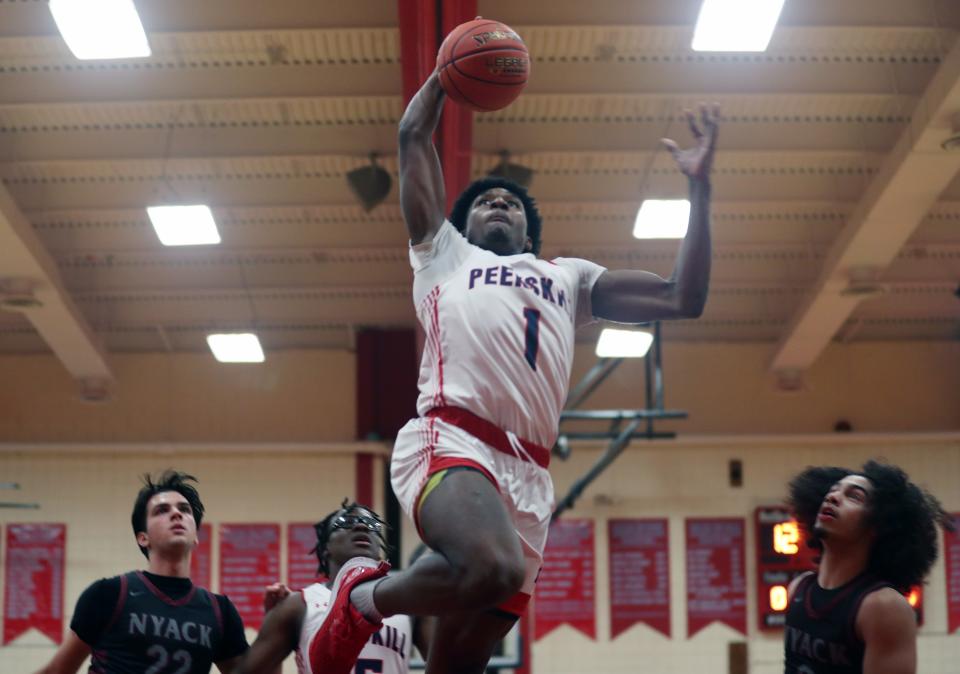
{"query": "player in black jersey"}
{"type": "Point", "coordinates": [877, 533]}
{"type": "Point", "coordinates": [155, 621]}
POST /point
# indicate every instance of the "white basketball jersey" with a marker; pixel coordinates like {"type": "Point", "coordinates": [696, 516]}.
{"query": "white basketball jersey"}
{"type": "Point", "coordinates": [387, 651]}
{"type": "Point", "coordinates": [499, 331]}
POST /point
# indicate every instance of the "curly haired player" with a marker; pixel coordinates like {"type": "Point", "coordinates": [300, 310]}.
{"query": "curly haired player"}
{"type": "Point", "coordinates": [877, 533]}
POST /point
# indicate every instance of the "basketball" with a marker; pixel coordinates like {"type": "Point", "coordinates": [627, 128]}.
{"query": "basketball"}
{"type": "Point", "coordinates": [483, 65]}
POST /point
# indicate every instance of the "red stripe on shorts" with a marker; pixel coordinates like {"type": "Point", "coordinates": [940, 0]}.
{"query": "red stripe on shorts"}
{"type": "Point", "coordinates": [491, 434]}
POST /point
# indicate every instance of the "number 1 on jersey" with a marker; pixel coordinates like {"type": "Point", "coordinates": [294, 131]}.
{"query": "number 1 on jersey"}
{"type": "Point", "coordinates": [532, 336]}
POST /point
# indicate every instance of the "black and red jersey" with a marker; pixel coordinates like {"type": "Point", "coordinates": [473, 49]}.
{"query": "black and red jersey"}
{"type": "Point", "coordinates": [820, 634]}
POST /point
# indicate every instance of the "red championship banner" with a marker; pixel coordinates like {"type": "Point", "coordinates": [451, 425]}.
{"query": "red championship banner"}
{"type": "Point", "coordinates": [639, 574]}
{"type": "Point", "coordinates": [565, 590]}
{"type": "Point", "coordinates": [33, 581]}
{"type": "Point", "coordinates": [301, 561]}
{"type": "Point", "coordinates": [249, 561]}
{"type": "Point", "coordinates": [951, 554]}
{"type": "Point", "coordinates": [716, 583]}
{"type": "Point", "coordinates": [201, 560]}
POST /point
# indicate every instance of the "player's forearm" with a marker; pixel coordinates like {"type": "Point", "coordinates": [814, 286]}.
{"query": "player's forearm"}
{"type": "Point", "coordinates": [691, 274]}
{"type": "Point", "coordinates": [422, 115]}
{"type": "Point", "coordinates": [422, 194]}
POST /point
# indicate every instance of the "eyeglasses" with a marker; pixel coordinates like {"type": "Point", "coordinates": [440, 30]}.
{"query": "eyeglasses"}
{"type": "Point", "coordinates": [350, 521]}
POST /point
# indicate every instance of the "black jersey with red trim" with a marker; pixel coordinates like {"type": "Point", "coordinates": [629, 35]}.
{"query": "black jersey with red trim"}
{"type": "Point", "coordinates": [820, 634]}
{"type": "Point", "coordinates": [151, 632]}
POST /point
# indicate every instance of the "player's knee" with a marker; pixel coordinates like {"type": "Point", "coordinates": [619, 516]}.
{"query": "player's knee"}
{"type": "Point", "coordinates": [493, 579]}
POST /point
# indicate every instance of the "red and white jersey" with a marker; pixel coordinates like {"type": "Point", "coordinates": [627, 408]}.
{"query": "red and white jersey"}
{"type": "Point", "coordinates": [499, 331]}
{"type": "Point", "coordinates": [387, 651]}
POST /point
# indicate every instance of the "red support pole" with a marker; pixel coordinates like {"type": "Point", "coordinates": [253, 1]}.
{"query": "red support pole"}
{"type": "Point", "coordinates": [456, 127]}
{"type": "Point", "coordinates": [418, 43]}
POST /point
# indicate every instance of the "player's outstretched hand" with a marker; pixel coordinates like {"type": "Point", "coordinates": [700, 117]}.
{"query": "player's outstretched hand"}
{"type": "Point", "coordinates": [696, 161]}
{"type": "Point", "coordinates": [273, 594]}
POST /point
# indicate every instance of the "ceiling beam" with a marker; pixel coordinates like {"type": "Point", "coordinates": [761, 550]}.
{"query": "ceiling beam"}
{"type": "Point", "coordinates": [28, 271]}
{"type": "Point", "coordinates": [901, 193]}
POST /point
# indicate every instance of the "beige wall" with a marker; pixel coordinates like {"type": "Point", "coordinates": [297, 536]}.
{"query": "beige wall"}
{"type": "Point", "coordinates": [296, 396]}
{"type": "Point", "coordinates": [309, 396]}
{"type": "Point", "coordinates": [92, 492]}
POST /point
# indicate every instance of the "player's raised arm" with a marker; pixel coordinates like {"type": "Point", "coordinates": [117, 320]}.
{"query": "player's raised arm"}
{"type": "Point", "coordinates": [630, 296]}
{"type": "Point", "coordinates": [422, 195]}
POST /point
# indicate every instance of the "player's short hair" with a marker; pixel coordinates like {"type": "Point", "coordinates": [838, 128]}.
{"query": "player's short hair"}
{"type": "Point", "coordinates": [903, 516]}
{"type": "Point", "coordinates": [461, 208]}
{"type": "Point", "coordinates": [323, 531]}
{"type": "Point", "coordinates": [170, 480]}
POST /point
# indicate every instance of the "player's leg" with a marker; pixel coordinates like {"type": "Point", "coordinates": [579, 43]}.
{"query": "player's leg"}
{"type": "Point", "coordinates": [477, 560]}
{"type": "Point", "coordinates": [463, 642]}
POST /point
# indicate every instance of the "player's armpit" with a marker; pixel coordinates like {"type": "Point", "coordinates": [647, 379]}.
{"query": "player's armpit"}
{"type": "Point", "coordinates": [69, 657]}
{"type": "Point", "coordinates": [888, 627]}
{"type": "Point", "coordinates": [275, 641]}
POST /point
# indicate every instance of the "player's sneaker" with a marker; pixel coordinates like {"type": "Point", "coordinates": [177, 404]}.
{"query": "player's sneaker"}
{"type": "Point", "coordinates": [344, 631]}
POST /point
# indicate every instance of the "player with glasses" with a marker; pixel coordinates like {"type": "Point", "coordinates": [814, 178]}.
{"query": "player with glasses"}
{"type": "Point", "coordinates": [351, 531]}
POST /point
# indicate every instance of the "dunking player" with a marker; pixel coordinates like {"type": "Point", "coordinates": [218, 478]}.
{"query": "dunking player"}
{"type": "Point", "coordinates": [472, 469]}
{"type": "Point", "coordinates": [155, 620]}
{"type": "Point", "coordinates": [878, 535]}
{"type": "Point", "coordinates": [350, 531]}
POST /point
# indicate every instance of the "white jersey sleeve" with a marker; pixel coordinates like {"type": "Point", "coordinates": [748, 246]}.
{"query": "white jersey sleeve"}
{"type": "Point", "coordinates": [588, 273]}
{"type": "Point", "coordinates": [436, 260]}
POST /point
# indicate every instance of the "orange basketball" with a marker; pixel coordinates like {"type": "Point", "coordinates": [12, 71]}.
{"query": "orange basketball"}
{"type": "Point", "coordinates": [483, 65]}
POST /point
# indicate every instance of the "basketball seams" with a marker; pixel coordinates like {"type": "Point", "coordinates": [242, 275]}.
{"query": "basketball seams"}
{"type": "Point", "coordinates": [453, 47]}
{"type": "Point", "coordinates": [460, 93]}
{"type": "Point", "coordinates": [512, 44]}
{"type": "Point", "coordinates": [469, 33]}
{"type": "Point", "coordinates": [456, 60]}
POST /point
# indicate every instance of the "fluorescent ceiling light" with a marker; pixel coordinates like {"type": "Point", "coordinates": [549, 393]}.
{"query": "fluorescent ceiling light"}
{"type": "Point", "coordinates": [736, 25]}
{"type": "Point", "coordinates": [662, 219]}
{"type": "Point", "coordinates": [237, 347]}
{"type": "Point", "coordinates": [184, 225]}
{"type": "Point", "coordinates": [623, 343]}
{"type": "Point", "coordinates": [101, 29]}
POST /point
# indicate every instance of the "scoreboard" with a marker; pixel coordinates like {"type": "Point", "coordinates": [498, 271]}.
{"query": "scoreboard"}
{"type": "Point", "coordinates": [782, 555]}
